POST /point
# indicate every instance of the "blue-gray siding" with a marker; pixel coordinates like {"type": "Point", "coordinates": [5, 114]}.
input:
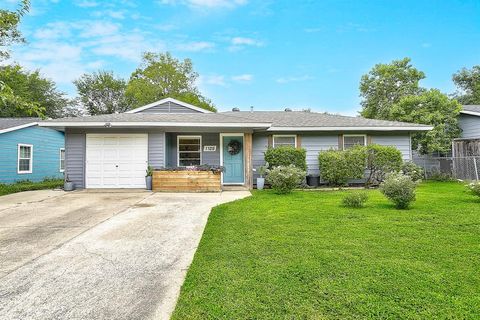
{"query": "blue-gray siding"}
{"type": "Point", "coordinates": [156, 149]}
{"type": "Point", "coordinates": [208, 139]}
{"type": "Point", "coordinates": [75, 146]}
{"type": "Point", "coordinates": [316, 142]}
{"type": "Point", "coordinates": [470, 126]}
{"type": "Point", "coordinates": [401, 142]}
{"type": "Point", "coordinates": [46, 154]}
{"type": "Point", "coordinates": [169, 107]}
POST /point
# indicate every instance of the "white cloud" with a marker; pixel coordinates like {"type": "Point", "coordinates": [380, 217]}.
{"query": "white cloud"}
{"type": "Point", "coordinates": [98, 29]}
{"type": "Point", "coordinates": [239, 43]}
{"type": "Point", "coordinates": [195, 46]}
{"type": "Point", "coordinates": [426, 45]}
{"type": "Point", "coordinates": [293, 79]}
{"type": "Point", "coordinates": [217, 80]}
{"type": "Point", "coordinates": [114, 14]}
{"type": "Point", "coordinates": [243, 78]}
{"type": "Point", "coordinates": [86, 3]}
{"type": "Point", "coordinates": [206, 3]}
{"type": "Point", "coordinates": [54, 30]}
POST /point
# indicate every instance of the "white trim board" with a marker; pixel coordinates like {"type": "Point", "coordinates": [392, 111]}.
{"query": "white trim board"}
{"type": "Point", "coordinates": [156, 103]}
{"type": "Point", "coordinates": [31, 124]}
{"type": "Point", "coordinates": [471, 113]}
{"type": "Point", "coordinates": [340, 129]}
{"type": "Point", "coordinates": [106, 124]}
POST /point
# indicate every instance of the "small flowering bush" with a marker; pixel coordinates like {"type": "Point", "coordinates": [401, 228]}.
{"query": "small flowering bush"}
{"type": "Point", "coordinates": [412, 170]}
{"type": "Point", "coordinates": [400, 189]}
{"type": "Point", "coordinates": [474, 187]}
{"type": "Point", "coordinates": [355, 199]}
{"type": "Point", "coordinates": [283, 179]}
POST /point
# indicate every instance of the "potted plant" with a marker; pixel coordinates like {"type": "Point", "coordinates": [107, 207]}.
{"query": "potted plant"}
{"type": "Point", "coordinates": [148, 177]}
{"type": "Point", "coordinates": [261, 180]}
{"type": "Point", "coordinates": [68, 185]}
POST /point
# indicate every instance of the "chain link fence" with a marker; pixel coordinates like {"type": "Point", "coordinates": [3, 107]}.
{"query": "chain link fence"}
{"type": "Point", "coordinates": [439, 168]}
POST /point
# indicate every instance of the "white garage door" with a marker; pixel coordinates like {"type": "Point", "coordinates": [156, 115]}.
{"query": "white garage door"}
{"type": "Point", "coordinates": [116, 160]}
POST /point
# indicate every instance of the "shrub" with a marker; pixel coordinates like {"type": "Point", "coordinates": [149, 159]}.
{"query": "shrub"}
{"type": "Point", "coordinates": [437, 175]}
{"type": "Point", "coordinates": [412, 170]}
{"type": "Point", "coordinates": [337, 167]}
{"type": "Point", "coordinates": [400, 189]}
{"type": "Point", "coordinates": [474, 188]}
{"type": "Point", "coordinates": [285, 156]}
{"type": "Point", "coordinates": [355, 199]}
{"type": "Point", "coordinates": [26, 185]}
{"type": "Point", "coordinates": [284, 179]}
{"type": "Point", "coordinates": [381, 161]}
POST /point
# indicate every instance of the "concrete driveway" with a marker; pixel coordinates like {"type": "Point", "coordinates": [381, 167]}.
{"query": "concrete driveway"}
{"type": "Point", "coordinates": [98, 255]}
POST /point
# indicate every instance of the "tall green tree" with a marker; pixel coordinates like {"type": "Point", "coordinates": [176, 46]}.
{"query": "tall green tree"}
{"type": "Point", "coordinates": [102, 93]}
{"type": "Point", "coordinates": [385, 85]}
{"type": "Point", "coordinates": [32, 88]}
{"type": "Point", "coordinates": [434, 108]}
{"type": "Point", "coordinates": [159, 76]}
{"type": "Point", "coordinates": [9, 33]}
{"type": "Point", "coordinates": [468, 85]}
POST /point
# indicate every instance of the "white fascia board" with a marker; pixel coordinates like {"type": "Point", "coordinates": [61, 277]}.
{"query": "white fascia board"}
{"type": "Point", "coordinates": [422, 128]}
{"type": "Point", "coordinates": [472, 113]}
{"type": "Point", "coordinates": [107, 124]}
{"type": "Point", "coordinates": [153, 104]}
{"type": "Point", "coordinates": [19, 127]}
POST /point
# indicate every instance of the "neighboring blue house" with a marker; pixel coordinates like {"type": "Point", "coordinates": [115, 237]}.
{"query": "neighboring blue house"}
{"type": "Point", "coordinates": [29, 152]}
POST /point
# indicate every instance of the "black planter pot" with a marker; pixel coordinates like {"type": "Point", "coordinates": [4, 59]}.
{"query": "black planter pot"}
{"type": "Point", "coordinates": [313, 181]}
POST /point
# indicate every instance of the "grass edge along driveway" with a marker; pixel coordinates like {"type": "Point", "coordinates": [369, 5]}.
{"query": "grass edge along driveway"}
{"type": "Point", "coordinates": [304, 256]}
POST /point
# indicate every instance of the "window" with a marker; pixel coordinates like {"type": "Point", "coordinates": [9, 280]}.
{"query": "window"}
{"type": "Point", "coordinates": [25, 156]}
{"type": "Point", "coordinates": [284, 140]}
{"type": "Point", "coordinates": [189, 151]}
{"type": "Point", "coordinates": [62, 160]}
{"type": "Point", "coordinates": [350, 141]}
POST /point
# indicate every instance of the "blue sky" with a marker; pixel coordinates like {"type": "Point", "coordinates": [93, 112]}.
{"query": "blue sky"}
{"type": "Point", "coordinates": [269, 54]}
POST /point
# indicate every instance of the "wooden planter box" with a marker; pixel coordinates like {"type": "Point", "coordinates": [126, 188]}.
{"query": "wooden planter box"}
{"type": "Point", "coordinates": [186, 181]}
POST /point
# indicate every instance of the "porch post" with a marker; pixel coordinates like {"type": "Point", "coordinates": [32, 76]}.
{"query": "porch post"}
{"type": "Point", "coordinates": [248, 145]}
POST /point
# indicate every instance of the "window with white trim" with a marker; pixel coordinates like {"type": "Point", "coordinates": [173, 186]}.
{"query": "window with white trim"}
{"type": "Point", "coordinates": [25, 156]}
{"type": "Point", "coordinates": [62, 160]}
{"type": "Point", "coordinates": [189, 151]}
{"type": "Point", "coordinates": [351, 140]}
{"type": "Point", "coordinates": [284, 140]}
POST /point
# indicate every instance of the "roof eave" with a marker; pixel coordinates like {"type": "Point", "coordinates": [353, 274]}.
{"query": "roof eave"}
{"type": "Point", "coordinates": [363, 128]}
{"type": "Point", "coordinates": [113, 124]}
{"type": "Point", "coordinates": [471, 113]}
{"type": "Point", "coordinates": [26, 125]}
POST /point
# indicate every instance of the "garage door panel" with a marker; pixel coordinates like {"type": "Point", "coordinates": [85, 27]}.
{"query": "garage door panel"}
{"type": "Point", "coordinates": [116, 160]}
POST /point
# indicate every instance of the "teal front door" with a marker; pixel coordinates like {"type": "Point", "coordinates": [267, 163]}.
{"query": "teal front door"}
{"type": "Point", "coordinates": [233, 159]}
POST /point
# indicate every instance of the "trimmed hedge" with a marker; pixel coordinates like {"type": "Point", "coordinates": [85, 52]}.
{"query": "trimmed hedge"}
{"type": "Point", "coordinates": [337, 167]}
{"type": "Point", "coordinates": [27, 185]}
{"type": "Point", "coordinates": [381, 161]}
{"type": "Point", "coordinates": [286, 156]}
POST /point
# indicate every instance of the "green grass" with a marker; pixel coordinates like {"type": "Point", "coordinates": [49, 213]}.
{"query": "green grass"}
{"type": "Point", "coordinates": [305, 256]}
{"type": "Point", "coordinates": [28, 185]}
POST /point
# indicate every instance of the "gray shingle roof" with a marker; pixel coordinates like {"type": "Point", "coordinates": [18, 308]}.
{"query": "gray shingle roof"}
{"type": "Point", "coordinates": [157, 117]}
{"type": "Point", "coordinates": [472, 108]}
{"type": "Point", "coordinates": [315, 119]}
{"type": "Point", "coordinates": [274, 119]}
{"type": "Point", "coordinates": [7, 123]}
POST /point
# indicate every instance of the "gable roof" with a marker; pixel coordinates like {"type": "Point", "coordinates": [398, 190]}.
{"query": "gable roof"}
{"type": "Point", "coordinates": [12, 124]}
{"type": "Point", "coordinates": [167, 100]}
{"type": "Point", "coordinates": [471, 109]}
{"type": "Point", "coordinates": [314, 121]}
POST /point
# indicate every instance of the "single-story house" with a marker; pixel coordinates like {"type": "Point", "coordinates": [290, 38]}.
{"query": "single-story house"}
{"type": "Point", "coordinates": [113, 151]}
{"type": "Point", "coordinates": [469, 121]}
{"type": "Point", "coordinates": [30, 152]}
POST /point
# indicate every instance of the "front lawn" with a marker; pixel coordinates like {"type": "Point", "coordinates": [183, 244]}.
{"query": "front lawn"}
{"type": "Point", "coordinates": [29, 185]}
{"type": "Point", "coordinates": [304, 256]}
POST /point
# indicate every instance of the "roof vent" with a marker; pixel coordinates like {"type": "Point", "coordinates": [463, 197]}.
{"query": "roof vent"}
{"type": "Point", "coordinates": [251, 108]}
{"type": "Point", "coordinates": [236, 109]}
{"type": "Point", "coordinates": [288, 110]}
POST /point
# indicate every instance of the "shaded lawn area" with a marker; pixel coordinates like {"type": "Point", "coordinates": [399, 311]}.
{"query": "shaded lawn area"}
{"type": "Point", "coordinates": [29, 185]}
{"type": "Point", "coordinates": [303, 256]}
